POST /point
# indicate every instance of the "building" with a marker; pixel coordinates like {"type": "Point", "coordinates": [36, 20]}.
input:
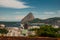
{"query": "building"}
{"type": "Point", "coordinates": [13, 31]}
{"type": "Point", "coordinates": [2, 26]}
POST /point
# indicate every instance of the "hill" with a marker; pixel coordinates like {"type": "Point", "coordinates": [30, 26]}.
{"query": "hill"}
{"type": "Point", "coordinates": [27, 18]}
{"type": "Point", "coordinates": [52, 21]}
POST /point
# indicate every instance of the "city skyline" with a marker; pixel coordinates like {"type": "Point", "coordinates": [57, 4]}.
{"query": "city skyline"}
{"type": "Point", "coordinates": [15, 10]}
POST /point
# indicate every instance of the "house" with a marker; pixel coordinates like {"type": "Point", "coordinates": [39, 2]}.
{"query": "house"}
{"type": "Point", "coordinates": [13, 31]}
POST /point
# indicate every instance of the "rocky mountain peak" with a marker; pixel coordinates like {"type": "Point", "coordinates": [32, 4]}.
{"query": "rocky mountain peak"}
{"type": "Point", "coordinates": [27, 18]}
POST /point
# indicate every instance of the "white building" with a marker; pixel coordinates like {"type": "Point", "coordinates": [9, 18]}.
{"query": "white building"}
{"type": "Point", "coordinates": [2, 26]}
{"type": "Point", "coordinates": [31, 27]}
{"type": "Point", "coordinates": [55, 26]}
{"type": "Point", "coordinates": [13, 31]}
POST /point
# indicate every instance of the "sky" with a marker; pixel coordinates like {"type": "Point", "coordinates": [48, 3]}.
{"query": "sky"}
{"type": "Point", "coordinates": [15, 10]}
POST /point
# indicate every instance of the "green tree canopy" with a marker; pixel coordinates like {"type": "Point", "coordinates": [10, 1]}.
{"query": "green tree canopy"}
{"type": "Point", "coordinates": [47, 31]}
{"type": "Point", "coordinates": [3, 31]}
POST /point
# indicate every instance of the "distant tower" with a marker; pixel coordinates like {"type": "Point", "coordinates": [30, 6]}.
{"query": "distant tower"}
{"type": "Point", "coordinates": [27, 18]}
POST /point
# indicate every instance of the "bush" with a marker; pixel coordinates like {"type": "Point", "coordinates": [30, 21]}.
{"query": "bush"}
{"type": "Point", "coordinates": [47, 31]}
{"type": "Point", "coordinates": [3, 31]}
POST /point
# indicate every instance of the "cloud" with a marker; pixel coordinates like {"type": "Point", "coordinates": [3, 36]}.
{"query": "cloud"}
{"type": "Point", "coordinates": [19, 17]}
{"type": "Point", "coordinates": [13, 4]}
{"type": "Point", "coordinates": [58, 11]}
{"type": "Point", "coordinates": [12, 18]}
{"type": "Point", "coordinates": [49, 13]}
{"type": "Point", "coordinates": [17, 13]}
{"type": "Point", "coordinates": [2, 18]}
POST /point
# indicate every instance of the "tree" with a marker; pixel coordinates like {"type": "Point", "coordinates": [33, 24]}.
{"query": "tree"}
{"type": "Point", "coordinates": [3, 31]}
{"type": "Point", "coordinates": [47, 31]}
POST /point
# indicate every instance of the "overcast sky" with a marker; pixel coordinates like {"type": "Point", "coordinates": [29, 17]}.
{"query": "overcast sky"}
{"type": "Point", "coordinates": [15, 10]}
